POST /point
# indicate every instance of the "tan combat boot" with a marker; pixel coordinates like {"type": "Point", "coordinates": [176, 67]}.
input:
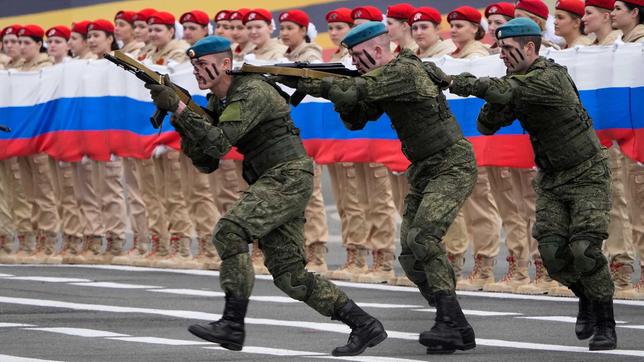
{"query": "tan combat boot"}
{"type": "Point", "coordinates": [207, 257]}
{"type": "Point", "coordinates": [159, 250]}
{"type": "Point", "coordinates": [137, 251]}
{"type": "Point", "coordinates": [257, 257]}
{"type": "Point", "coordinates": [622, 275]}
{"type": "Point", "coordinates": [517, 276]}
{"type": "Point", "coordinates": [49, 248]}
{"type": "Point", "coordinates": [38, 256]}
{"type": "Point", "coordinates": [6, 257]}
{"type": "Point", "coordinates": [405, 282]}
{"type": "Point", "coordinates": [26, 248]}
{"type": "Point", "coordinates": [316, 258]}
{"type": "Point", "coordinates": [482, 274]}
{"type": "Point", "coordinates": [113, 249]}
{"type": "Point", "coordinates": [92, 251]}
{"type": "Point", "coordinates": [382, 270]}
{"type": "Point", "coordinates": [72, 248]}
{"type": "Point", "coordinates": [180, 256]}
{"type": "Point", "coordinates": [457, 261]}
{"type": "Point", "coordinates": [560, 290]}
{"type": "Point", "coordinates": [541, 284]}
{"type": "Point", "coordinates": [356, 264]}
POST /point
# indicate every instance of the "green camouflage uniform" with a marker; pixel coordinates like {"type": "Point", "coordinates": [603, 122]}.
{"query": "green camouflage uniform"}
{"type": "Point", "coordinates": [443, 169]}
{"type": "Point", "coordinates": [573, 184]}
{"type": "Point", "coordinates": [255, 118]}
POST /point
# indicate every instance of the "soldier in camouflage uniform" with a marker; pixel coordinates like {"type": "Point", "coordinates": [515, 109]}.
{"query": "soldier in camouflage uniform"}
{"type": "Point", "coordinates": [573, 183]}
{"type": "Point", "coordinates": [252, 114]}
{"type": "Point", "coordinates": [442, 171]}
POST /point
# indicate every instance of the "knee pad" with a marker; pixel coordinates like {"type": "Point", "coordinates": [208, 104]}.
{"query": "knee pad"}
{"type": "Point", "coordinates": [587, 256]}
{"type": "Point", "coordinates": [422, 246]}
{"type": "Point", "coordinates": [417, 276]}
{"type": "Point", "coordinates": [554, 255]}
{"type": "Point", "coordinates": [230, 239]}
{"type": "Point", "coordinates": [297, 284]}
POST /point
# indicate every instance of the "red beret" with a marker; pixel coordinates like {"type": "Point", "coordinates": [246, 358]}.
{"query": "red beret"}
{"type": "Point", "coordinates": [506, 9]}
{"type": "Point", "coordinates": [339, 15]}
{"type": "Point", "coordinates": [367, 12]}
{"type": "Point", "coordinates": [144, 14]}
{"type": "Point", "coordinates": [222, 15]}
{"type": "Point", "coordinates": [400, 11]}
{"type": "Point", "coordinates": [572, 6]}
{"type": "Point", "coordinates": [125, 15]}
{"type": "Point", "coordinates": [80, 27]}
{"type": "Point", "coordinates": [258, 14]}
{"type": "Point", "coordinates": [604, 4]}
{"type": "Point", "coordinates": [11, 29]}
{"type": "Point", "coordinates": [635, 2]}
{"type": "Point", "coordinates": [426, 14]}
{"type": "Point", "coordinates": [195, 16]}
{"type": "Point", "coordinates": [102, 25]}
{"type": "Point", "coordinates": [296, 16]}
{"type": "Point", "coordinates": [535, 7]}
{"type": "Point", "coordinates": [31, 30]}
{"type": "Point", "coordinates": [467, 13]}
{"type": "Point", "coordinates": [239, 14]}
{"type": "Point", "coordinates": [60, 31]}
{"type": "Point", "coordinates": [161, 17]}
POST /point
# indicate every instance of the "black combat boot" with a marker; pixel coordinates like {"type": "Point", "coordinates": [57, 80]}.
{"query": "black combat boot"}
{"type": "Point", "coordinates": [366, 331]}
{"type": "Point", "coordinates": [451, 331]}
{"type": "Point", "coordinates": [229, 331]}
{"type": "Point", "coordinates": [585, 324]}
{"type": "Point", "coordinates": [605, 336]}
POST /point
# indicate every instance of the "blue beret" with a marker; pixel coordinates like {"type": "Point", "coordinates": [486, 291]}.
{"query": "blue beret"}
{"type": "Point", "coordinates": [208, 45]}
{"type": "Point", "coordinates": [363, 32]}
{"type": "Point", "coordinates": [518, 27]}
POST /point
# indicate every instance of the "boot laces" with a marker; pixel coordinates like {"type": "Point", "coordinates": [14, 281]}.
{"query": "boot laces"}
{"type": "Point", "coordinates": [640, 284]}
{"type": "Point", "coordinates": [512, 265]}
{"type": "Point", "coordinates": [478, 263]}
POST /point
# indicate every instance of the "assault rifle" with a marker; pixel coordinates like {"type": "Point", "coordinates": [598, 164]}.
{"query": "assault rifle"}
{"type": "Point", "coordinates": [302, 70]}
{"type": "Point", "coordinates": [4, 128]}
{"type": "Point", "coordinates": [149, 76]}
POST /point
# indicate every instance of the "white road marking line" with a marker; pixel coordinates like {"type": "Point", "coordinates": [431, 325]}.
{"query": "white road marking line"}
{"type": "Point", "coordinates": [480, 313]}
{"type": "Point", "coordinates": [11, 325]}
{"type": "Point", "coordinates": [5, 275]}
{"type": "Point", "coordinates": [388, 306]}
{"type": "Point", "coordinates": [80, 332]}
{"type": "Point", "coordinates": [380, 287]}
{"type": "Point", "coordinates": [557, 318]}
{"type": "Point", "coordinates": [633, 326]}
{"type": "Point", "coordinates": [7, 358]}
{"type": "Point", "coordinates": [115, 285]}
{"type": "Point", "coordinates": [327, 327]}
{"type": "Point", "coordinates": [164, 341]}
{"type": "Point", "coordinates": [190, 292]}
{"type": "Point", "coordinates": [48, 279]}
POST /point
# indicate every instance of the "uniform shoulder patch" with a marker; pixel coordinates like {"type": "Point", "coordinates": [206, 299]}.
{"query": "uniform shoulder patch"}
{"type": "Point", "coordinates": [232, 113]}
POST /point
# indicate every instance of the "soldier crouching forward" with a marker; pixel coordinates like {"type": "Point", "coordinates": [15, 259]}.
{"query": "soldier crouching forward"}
{"type": "Point", "coordinates": [252, 114]}
{"type": "Point", "coordinates": [442, 171]}
{"type": "Point", "coordinates": [573, 183]}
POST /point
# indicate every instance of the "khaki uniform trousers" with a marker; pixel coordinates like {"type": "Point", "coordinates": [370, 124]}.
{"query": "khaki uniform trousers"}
{"type": "Point", "coordinates": [227, 183]}
{"type": "Point", "coordinates": [399, 189]}
{"type": "Point", "coordinates": [619, 245]}
{"type": "Point", "coordinates": [376, 199]}
{"type": "Point", "coordinates": [20, 202]}
{"type": "Point", "coordinates": [635, 196]}
{"type": "Point", "coordinates": [136, 209]}
{"type": "Point", "coordinates": [316, 228]}
{"type": "Point", "coordinates": [482, 217]}
{"type": "Point", "coordinates": [152, 195]}
{"type": "Point", "coordinates": [88, 181]}
{"type": "Point", "coordinates": [168, 166]}
{"type": "Point", "coordinates": [353, 218]}
{"type": "Point", "coordinates": [201, 201]}
{"type": "Point", "coordinates": [7, 227]}
{"type": "Point", "coordinates": [70, 210]}
{"type": "Point", "coordinates": [529, 196]}
{"type": "Point", "coordinates": [112, 196]}
{"type": "Point", "coordinates": [38, 172]}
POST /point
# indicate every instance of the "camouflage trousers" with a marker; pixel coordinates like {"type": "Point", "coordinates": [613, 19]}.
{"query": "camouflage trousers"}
{"type": "Point", "coordinates": [272, 211]}
{"type": "Point", "coordinates": [440, 184]}
{"type": "Point", "coordinates": [572, 216]}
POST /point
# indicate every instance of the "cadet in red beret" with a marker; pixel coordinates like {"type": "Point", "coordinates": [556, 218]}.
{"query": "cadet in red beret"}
{"type": "Point", "coordinates": [294, 26]}
{"type": "Point", "coordinates": [165, 48]}
{"type": "Point", "coordinates": [32, 51]}
{"type": "Point", "coordinates": [425, 29]}
{"type": "Point", "coordinates": [568, 24]}
{"type": "Point", "coordinates": [57, 47]}
{"type": "Point", "coordinates": [10, 45]}
{"type": "Point", "coordinates": [339, 23]}
{"type": "Point", "coordinates": [628, 16]}
{"type": "Point", "coordinates": [260, 28]}
{"type": "Point", "coordinates": [222, 23]}
{"type": "Point", "coordinates": [195, 25]}
{"type": "Point", "coordinates": [497, 15]}
{"type": "Point", "coordinates": [239, 34]}
{"type": "Point", "coordinates": [363, 14]}
{"type": "Point", "coordinates": [398, 26]}
{"type": "Point", "coordinates": [124, 33]}
{"type": "Point", "coordinates": [597, 20]}
{"type": "Point", "coordinates": [141, 30]}
{"type": "Point", "coordinates": [536, 10]}
{"type": "Point", "coordinates": [78, 41]}
{"type": "Point", "coordinates": [100, 37]}
{"type": "Point", "coordinates": [466, 33]}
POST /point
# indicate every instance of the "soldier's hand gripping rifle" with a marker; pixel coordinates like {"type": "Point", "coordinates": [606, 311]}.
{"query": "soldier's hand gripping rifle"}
{"type": "Point", "coordinates": [4, 128]}
{"type": "Point", "coordinates": [149, 76]}
{"type": "Point", "coordinates": [301, 70]}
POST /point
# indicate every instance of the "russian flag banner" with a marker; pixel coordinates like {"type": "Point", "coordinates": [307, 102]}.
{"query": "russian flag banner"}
{"type": "Point", "coordinates": [92, 108]}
